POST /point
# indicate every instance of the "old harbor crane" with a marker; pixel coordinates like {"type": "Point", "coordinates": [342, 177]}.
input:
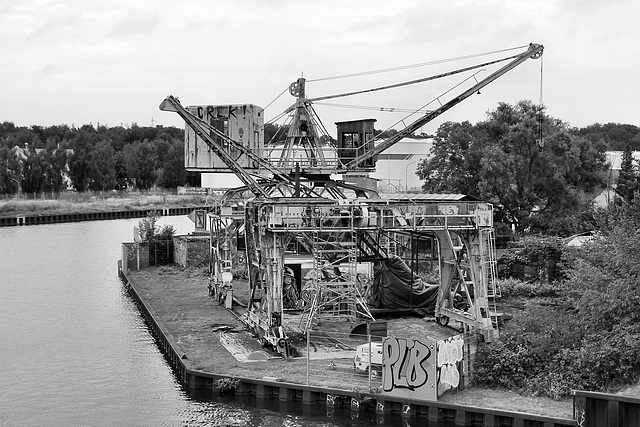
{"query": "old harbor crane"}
{"type": "Point", "coordinates": [288, 202]}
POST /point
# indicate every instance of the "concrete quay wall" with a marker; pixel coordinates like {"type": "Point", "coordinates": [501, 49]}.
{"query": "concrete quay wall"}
{"type": "Point", "coordinates": [413, 412]}
{"type": "Point", "coordinates": [20, 220]}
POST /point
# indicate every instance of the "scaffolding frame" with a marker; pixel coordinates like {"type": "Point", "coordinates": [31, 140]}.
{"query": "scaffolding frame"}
{"type": "Point", "coordinates": [334, 232]}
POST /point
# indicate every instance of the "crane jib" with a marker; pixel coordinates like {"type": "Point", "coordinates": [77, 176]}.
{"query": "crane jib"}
{"type": "Point", "coordinates": [534, 52]}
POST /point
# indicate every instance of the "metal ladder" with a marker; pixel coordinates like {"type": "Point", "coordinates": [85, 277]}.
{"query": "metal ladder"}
{"type": "Point", "coordinates": [489, 266]}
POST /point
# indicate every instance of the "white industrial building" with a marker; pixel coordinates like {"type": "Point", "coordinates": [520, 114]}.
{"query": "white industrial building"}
{"type": "Point", "coordinates": [395, 169]}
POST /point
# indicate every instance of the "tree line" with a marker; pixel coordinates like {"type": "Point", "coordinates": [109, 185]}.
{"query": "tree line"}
{"type": "Point", "coordinates": [51, 159]}
{"type": "Point", "coordinates": [541, 174]}
{"type": "Point", "coordinates": [579, 326]}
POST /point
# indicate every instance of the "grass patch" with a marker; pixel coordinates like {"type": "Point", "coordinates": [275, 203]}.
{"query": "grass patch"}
{"type": "Point", "coordinates": [107, 202]}
{"type": "Point", "coordinates": [226, 385]}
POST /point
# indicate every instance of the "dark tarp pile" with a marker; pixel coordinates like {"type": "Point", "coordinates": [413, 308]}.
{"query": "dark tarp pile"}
{"type": "Point", "coordinates": [394, 286]}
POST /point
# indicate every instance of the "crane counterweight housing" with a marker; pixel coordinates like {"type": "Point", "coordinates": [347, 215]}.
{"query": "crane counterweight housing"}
{"type": "Point", "coordinates": [244, 123]}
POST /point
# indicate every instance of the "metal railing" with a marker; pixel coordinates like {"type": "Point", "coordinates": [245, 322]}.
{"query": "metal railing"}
{"type": "Point", "coordinates": [335, 359]}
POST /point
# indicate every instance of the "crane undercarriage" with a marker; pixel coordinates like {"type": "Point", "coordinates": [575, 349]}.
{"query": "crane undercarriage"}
{"type": "Point", "coordinates": [342, 235]}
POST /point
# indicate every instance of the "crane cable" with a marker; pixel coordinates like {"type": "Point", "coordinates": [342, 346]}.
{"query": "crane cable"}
{"type": "Point", "coordinates": [404, 67]}
{"type": "Point", "coordinates": [279, 129]}
{"type": "Point", "coordinates": [368, 107]}
{"type": "Point", "coordinates": [276, 98]}
{"type": "Point", "coordinates": [410, 82]}
{"type": "Point", "coordinates": [276, 118]}
{"type": "Point", "coordinates": [279, 116]}
{"type": "Point", "coordinates": [541, 116]}
{"type": "Point", "coordinates": [437, 98]}
{"type": "Point", "coordinates": [316, 119]}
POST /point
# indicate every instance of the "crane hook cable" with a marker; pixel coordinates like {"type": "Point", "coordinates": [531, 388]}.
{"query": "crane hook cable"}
{"type": "Point", "coordinates": [541, 117]}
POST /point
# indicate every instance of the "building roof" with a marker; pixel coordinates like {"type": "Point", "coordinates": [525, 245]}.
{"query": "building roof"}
{"type": "Point", "coordinates": [354, 121]}
{"type": "Point", "coordinates": [614, 158]}
{"type": "Point", "coordinates": [579, 239]}
{"type": "Point", "coordinates": [428, 197]}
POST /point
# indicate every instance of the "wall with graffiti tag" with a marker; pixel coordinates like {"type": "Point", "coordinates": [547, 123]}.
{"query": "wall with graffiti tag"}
{"type": "Point", "coordinates": [422, 368]}
{"type": "Point", "coordinates": [449, 364]}
{"type": "Point", "coordinates": [409, 368]}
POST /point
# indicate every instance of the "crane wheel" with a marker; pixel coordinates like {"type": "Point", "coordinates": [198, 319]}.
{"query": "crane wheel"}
{"type": "Point", "coordinates": [442, 320]}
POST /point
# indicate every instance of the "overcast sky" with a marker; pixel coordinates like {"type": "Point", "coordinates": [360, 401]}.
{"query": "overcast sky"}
{"type": "Point", "coordinates": [113, 61]}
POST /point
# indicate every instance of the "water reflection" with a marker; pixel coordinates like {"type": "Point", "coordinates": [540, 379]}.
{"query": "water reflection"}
{"type": "Point", "coordinates": [252, 411]}
{"type": "Point", "coordinates": [75, 350]}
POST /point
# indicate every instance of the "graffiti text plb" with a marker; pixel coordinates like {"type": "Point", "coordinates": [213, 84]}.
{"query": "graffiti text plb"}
{"type": "Point", "coordinates": [404, 364]}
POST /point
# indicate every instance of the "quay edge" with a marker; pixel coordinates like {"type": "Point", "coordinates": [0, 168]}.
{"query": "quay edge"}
{"type": "Point", "coordinates": [39, 219]}
{"type": "Point", "coordinates": [408, 409]}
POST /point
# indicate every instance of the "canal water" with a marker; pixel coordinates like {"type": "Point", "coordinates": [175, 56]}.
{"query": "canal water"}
{"type": "Point", "coordinates": [74, 350]}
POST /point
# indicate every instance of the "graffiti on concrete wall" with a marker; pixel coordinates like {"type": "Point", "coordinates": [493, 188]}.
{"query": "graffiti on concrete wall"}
{"type": "Point", "coordinates": [450, 354]}
{"type": "Point", "coordinates": [579, 412]}
{"type": "Point", "coordinates": [409, 368]}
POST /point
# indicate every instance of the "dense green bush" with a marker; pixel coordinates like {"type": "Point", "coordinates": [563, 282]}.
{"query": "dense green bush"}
{"type": "Point", "coordinates": [226, 385]}
{"type": "Point", "coordinates": [532, 258]}
{"type": "Point", "coordinates": [529, 354]}
{"type": "Point", "coordinates": [549, 351]}
{"type": "Point", "coordinates": [515, 288]}
{"type": "Point", "coordinates": [592, 340]}
{"type": "Point", "coordinates": [149, 231]}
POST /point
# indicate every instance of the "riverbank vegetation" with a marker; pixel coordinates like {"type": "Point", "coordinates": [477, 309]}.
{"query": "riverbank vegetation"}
{"type": "Point", "coordinates": [577, 325]}
{"type": "Point", "coordinates": [91, 158]}
{"type": "Point", "coordinates": [575, 312]}
{"type": "Point", "coordinates": [72, 202]}
{"type": "Point", "coordinates": [541, 174]}
{"type": "Point", "coordinates": [54, 159]}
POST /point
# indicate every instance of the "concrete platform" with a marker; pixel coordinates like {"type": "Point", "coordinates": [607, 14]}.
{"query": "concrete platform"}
{"type": "Point", "coordinates": [187, 324]}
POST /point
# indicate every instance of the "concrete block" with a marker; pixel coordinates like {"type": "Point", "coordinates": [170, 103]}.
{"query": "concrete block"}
{"type": "Point", "coordinates": [434, 414]}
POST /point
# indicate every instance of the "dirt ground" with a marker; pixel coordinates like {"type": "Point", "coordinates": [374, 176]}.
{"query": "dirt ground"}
{"type": "Point", "coordinates": [179, 298]}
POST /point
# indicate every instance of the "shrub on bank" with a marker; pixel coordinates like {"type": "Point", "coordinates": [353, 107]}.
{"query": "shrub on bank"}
{"type": "Point", "coordinates": [528, 353]}
{"type": "Point", "coordinates": [548, 351]}
{"type": "Point", "coordinates": [150, 232]}
{"type": "Point", "coordinates": [591, 341]}
{"type": "Point", "coordinates": [532, 258]}
{"type": "Point", "coordinates": [515, 288]}
{"type": "Point", "coordinates": [226, 385]}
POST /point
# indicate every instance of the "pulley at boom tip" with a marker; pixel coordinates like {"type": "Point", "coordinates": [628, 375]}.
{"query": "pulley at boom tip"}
{"type": "Point", "coordinates": [538, 50]}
